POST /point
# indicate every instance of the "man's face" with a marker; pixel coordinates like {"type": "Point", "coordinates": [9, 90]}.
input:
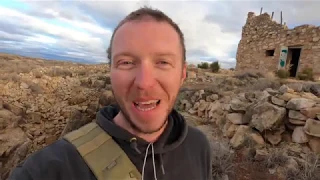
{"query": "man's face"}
{"type": "Point", "coordinates": [146, 73]}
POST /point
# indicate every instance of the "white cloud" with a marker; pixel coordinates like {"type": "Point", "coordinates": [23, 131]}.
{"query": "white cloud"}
{"type": "Point", "coordinates": [82, 29]}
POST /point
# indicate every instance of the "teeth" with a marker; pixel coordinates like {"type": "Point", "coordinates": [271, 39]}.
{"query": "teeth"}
{"type": "Point", "coordinates": [146, 109]}
{"type": "Point", "coordinates": [148, 102]}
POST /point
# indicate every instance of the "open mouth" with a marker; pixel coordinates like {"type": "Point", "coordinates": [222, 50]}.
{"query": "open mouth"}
{"type": "Point", "coordinates": [146, 105]}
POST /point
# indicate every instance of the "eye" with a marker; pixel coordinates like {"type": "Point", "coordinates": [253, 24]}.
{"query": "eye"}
{"type": "Point", "coordinates": [125, 64]}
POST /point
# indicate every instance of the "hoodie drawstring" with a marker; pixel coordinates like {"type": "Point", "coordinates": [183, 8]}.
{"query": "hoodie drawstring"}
{"type": "Point", "coordinates": [145, 160]}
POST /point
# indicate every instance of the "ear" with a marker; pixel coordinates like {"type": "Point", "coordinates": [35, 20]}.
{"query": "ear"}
{"type": "Point", "coordinates": [184, 73]}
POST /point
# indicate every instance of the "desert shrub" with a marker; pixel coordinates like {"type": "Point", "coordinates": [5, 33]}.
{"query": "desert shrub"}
{"type": "Point", "coordinates": [54, 72]}
{"type": "Point", "coordinates": [308, 169]}
{"type": "Point", "coordinates": [249, 73]}
{"type": "Point", "coordinates": [35, 88]}
{"type": "Point", "coordinates": [306, 74]}
{"type": "Point", "coordinates": [37, 73]}
{"type": "Point", "coordinates": [276, 158]}
{"type": "Point", "coordinates": [203, 65]}
{"type": "Point", "coordinates": [222, 160]}
{"type": "Point", "coordinates": [10, 77]}
{"type": "Point", "coordinates": [283, 74]}
{"type": "Point", "coordinates": [215, 67]}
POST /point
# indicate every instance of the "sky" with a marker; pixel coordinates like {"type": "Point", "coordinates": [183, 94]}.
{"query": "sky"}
{"type": "Point", "coordinates": [80, 31]}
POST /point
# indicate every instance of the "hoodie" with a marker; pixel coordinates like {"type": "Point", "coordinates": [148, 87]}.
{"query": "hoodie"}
{"type": "Point", "coordinates": [181, 152]}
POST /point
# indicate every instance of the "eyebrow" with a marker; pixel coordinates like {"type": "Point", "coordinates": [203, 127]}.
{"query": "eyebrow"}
{"type": "Point", "coordinates": [155, 54]}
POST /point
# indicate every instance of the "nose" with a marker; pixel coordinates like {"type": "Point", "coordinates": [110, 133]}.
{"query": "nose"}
{"type": "Point", "coordinates": [144, 76]}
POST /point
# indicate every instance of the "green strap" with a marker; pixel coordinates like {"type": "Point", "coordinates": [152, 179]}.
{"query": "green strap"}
{"type": "Point", "coordinates": [102, 154]}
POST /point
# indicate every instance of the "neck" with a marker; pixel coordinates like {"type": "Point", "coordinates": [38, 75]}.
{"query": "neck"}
{"type": "Point", "coordinates": [152, 137]}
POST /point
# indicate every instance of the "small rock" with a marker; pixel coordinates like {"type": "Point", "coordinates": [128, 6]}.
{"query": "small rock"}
{"type": "Point", "coordinates": [297, 115]}
{"type": "Point", "coordinates": [236, 118]}
{"type": "Point", "coordinates": [299, 136]}
{"type": "Point", "coordinates": [23, 85]}
{"type": "Point", "coordinates": [274, 137]}
{"type": "Point", "coordinates": [50, 139]}
{"type": "Point", "coordinates": [35, 117]}
{"type": "Point", "coordinates": [260, 154]}
{"type": "Point", "coordinates": [300, 103]}
{"type": "Point", "coordinates": [277, 101]}
{"type": "Point", "coordinates": [318, 116]}
{"type": "Point", "coordinates": [185, 105]}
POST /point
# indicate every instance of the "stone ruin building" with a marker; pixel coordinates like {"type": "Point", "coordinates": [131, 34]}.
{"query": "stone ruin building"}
{"type": "Point", "coordinates": [267, 45]}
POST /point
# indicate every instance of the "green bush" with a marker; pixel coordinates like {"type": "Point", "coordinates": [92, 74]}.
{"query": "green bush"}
{"type": "Point", "coordinates": [215, 67]}
{"type": "Point", "coordinates": [283, 74]}
{"type": "Point", "coordinates": [203, 65]}
{"type": "Point", "coordinates": [306, 74]}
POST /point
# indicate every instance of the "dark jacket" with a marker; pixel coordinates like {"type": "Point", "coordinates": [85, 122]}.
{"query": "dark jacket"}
{"type": "Point", "coordinates": [182, 152]}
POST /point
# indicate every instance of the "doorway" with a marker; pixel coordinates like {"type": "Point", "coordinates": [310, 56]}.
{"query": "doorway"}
{"type": "Point", "coordinates": [293, 58]}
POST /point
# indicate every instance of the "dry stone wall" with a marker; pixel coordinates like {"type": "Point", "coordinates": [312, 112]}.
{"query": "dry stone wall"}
{"type": "Point", "coordinates": [258, 118]}
{"type": "Point", "coordinates": [260, 33]}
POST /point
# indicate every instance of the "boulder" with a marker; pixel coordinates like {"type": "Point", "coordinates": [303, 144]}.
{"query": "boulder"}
{"type": "Point", "coordinates": [298, 87]}
{"type": "Point", "coordinates": [288, 96]}
{"type": "Point", "coordinates": [315, 89]}
{"type": "Point", "coordinates": [239, 106]}
{"type": "Point", "coordinates": [311, 112]}
{"type": "Point", "coordinates": [236, 118]}
{"type": "Point", "coordinates": [312, 127]}
{"type": "Point", "coordinates": [285, 89]}
{"type": "Point", "coordinates": [297, 115]}
{"type": "Point", "coordinates": [277, 101]}
{"type": "Point", "coordinates": [264, 116]}
{"type": "Point", "coordinates": [245, 136]}
{"type": "Point", "coordinates": [299, 136]}
{"type": "Point", "coordinates": [300, 103]}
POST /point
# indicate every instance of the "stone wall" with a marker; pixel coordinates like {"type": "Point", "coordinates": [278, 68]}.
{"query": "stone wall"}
{"type": "Point", "coordinates": [260, 33]}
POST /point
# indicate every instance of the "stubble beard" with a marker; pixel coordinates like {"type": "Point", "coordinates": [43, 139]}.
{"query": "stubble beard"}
{"type": "Point", "coordinates": [134, 126]}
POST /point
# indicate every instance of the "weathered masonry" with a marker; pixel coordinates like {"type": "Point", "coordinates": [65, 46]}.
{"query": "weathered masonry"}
{"type": "Point", "coordinates": [268, 46]}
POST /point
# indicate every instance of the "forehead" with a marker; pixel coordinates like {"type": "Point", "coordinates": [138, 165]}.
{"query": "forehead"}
{"type": "Point", "coordinates": [146, 36]}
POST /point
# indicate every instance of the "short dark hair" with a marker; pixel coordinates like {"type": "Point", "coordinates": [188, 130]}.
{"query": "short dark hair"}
{"type": "Point", "coordinates": [155, 14]}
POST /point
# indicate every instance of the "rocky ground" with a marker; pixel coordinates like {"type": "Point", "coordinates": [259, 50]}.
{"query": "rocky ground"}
{"type": "Point", "coordinates": [260, 127]}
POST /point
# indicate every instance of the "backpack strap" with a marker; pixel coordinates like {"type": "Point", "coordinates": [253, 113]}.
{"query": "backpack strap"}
{"type": "Point", "coordinates": [102, 154]}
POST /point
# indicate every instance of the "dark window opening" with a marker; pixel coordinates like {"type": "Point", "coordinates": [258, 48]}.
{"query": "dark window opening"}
{"type": "Point", "coordinates": [270, 52]}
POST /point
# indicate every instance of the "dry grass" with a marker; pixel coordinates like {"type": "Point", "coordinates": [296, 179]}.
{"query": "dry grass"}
{"type": "Point", "coordinates": [308, 170]}
{"type": "Point", "coordinates": [250, 73]}
{"type": "Point", "coordinates": [276, 158]}
{"type": "Point", "coordinates": [222, 160]}
{"type": "Point", "coordinates": [56, 72]}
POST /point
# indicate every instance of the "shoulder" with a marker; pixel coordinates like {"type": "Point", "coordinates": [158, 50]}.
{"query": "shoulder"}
{"type": "Point", "coordinates": [49, 161]}
{"type": "Point", "coordinates": [197, 136]}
